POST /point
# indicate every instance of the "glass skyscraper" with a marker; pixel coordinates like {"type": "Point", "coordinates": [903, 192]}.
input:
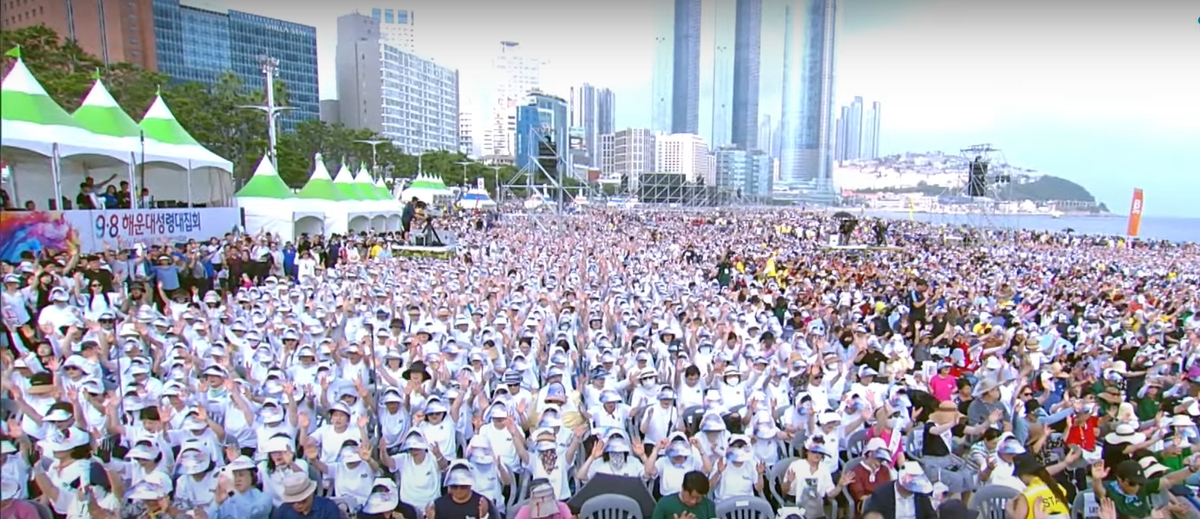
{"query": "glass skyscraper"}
{"type": "Point", "coordinates": [747, 51]}
{"type": "Point", "coordinates": [549, 113]}
{"type": "Point", "coordinates": [685, 90]}
{"type": "Point", "coordinates": [807, 126]}
{"type": "Point", "coordinates": [196, 44]}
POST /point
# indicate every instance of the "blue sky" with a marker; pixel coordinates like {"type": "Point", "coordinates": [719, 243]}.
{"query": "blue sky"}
{"type": "Point", "coordinates": [1102, 92]}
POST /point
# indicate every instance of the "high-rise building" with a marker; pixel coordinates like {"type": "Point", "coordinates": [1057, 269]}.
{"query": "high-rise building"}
{"type": "Point", "coordinates": [684, 153]}
{"type": "Point", "coordinates": [746, 172]}
{"type": "Point", "coordinates": [857, 132]}
{"type": "Point", "coordinates": [112, 30]}
{"type": "Point", "coordinates": [854, 129]}
{"type": "Point", "coordinates": [746, 64]}
{"type": "Point", "coordinates": [397, 27]}
{"type": "Point", "coordinates": [515, 75]}
{"type": "Point", "coordinates": [663, 76]}
{"type": "Point", "coordinates": [466, 132]}
{"type": "Point", "coordinates": [807, 120]}
{"type": "Point", "coordinates": [685, 89]}
{"type": "Point", "coordinates": [765, 135]}
{"type": "Point", "coordinates": [873, 126]}
{"type": "Point", "coordinates": [839, 141]}
{"type": "Point", "coordinates": [724, 41]}
{"type": "Point", "coordinates": [593, 111]}
{"type": "Point", "coordinates": [408, 99]}
{"type": "Point", "coordinates": [543, 119]}
{"type": "Point", "coordinates": [200, 41]}
{"type": "Point", "coordinates": [633, 154]}
{"type": "Point", "coordinates": [605, 160]}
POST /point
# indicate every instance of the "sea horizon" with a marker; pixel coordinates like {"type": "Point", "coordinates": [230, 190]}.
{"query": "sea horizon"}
{"type": "Point", "coordinates": [1176, 229]}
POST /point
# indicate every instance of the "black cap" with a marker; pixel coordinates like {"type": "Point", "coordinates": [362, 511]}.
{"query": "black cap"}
{"type": "Point", "coordinates": [1130, 472]}
{"type": "Point", "coordinates": [1026, 464]}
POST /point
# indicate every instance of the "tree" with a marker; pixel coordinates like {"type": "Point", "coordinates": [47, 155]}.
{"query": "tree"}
{"type": "Point", "coordinates": [214, 116]}
{"type": "Point", "coordinates": [62, 67]}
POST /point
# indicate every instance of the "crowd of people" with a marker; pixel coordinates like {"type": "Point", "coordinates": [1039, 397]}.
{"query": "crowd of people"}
{"type": "Point", "coordinates": [709, 358]}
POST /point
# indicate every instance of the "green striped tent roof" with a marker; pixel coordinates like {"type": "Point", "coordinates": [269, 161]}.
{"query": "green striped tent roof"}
{"type": "Point", "coordinates": [23, 99]}
{"type": "Point", "coordinates": [101, 114]}
{"type": "Point", "coordinates": [265, 183]}
{"type": "Point", "coordinates": [160, 124]}
{"type": "Point", "coordinates": [344, 182]}
{"type": "Point", "coordinates": [320, 185]}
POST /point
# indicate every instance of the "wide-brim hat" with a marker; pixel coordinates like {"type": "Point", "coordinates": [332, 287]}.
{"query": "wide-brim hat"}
{"type": "Point", "coordinates": [416, 367]}
{"type": "Point", "coordinates": [297, 487]}
{"type": "Point", "coordinates": [1125, 434]}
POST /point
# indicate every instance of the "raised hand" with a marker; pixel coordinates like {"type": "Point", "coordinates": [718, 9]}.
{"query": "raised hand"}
{"type": "Point", "coordinates": [483, 507]}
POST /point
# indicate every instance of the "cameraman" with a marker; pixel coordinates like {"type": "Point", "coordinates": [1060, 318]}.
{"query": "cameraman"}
{"type": "Point", "coordinates": [406, 216]}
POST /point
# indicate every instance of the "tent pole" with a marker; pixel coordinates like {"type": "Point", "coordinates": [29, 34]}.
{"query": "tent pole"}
{"type": "Point", "coordinates": [56, 175]}
{"type": "Point", "coordinates": [189, 184]}
{"type": "Point", "coordinates": [131, 172]}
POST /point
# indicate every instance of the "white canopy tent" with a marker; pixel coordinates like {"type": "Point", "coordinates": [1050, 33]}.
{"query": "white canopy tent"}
{"type": "Point", "coordinates": [51, 152]}
{"type": "Point", "coordinates": [267, 203]}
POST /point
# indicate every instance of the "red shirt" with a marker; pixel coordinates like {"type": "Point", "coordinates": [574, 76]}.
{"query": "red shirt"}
{"type": "Point", "coordinates": [1082, 433]}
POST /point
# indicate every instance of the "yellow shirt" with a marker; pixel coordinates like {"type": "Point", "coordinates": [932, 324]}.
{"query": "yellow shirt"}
{"type": "Point", "coordinates": [1053, 507]}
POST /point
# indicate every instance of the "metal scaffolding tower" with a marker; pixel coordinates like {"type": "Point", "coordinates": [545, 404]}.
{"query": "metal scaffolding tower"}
{"type": "Point", "coordinates": [544, 176]}
{"type": "Point", "coordinates": [989, 210]}
{"type": "Point", "coordinates": [676, 190]}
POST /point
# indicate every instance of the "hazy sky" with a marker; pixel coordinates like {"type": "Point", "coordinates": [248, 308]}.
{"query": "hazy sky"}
{"type": "Point", "coordinates": [1102, 92]}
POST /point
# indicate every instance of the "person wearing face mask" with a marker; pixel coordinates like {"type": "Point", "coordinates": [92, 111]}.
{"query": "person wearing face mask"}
{"type": "Point", "coordinates": [197, 481]}
{"type": "Point", "coordinates": [809, 484]}
{"type": "Point", "coordinates": [660, 419]}
{"type": "Point", "coordinates": [671, 459]}
{"type": "Point", "coordinates": [738, 473]}
{"type": "Point", "coordinates": [872, 472]}
{"type": "Point", "coordinates": [549, 461]}
{"type": "Point", "coordinates": [491, 476]}
{"type": "Point", "coordinates": [613, 456]}
{"type": "Point", "coordinates": [733, 392]}
{"type": "Point", "coordinates": [354, 473]}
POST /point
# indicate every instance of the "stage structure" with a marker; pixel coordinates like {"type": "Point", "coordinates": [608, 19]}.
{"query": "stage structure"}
{"type": "Point", "coordinates": [674, 189]}
{"type": "Point", "coordinates": [982, 197]}
{"type": "Point", "coordinates": [542, 181]}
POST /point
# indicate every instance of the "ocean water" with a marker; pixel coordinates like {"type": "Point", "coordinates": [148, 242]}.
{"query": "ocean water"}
{"type": "Point", "coordinates": [1155, 228]}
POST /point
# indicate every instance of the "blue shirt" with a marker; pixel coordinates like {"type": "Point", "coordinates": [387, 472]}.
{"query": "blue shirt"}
{"type": "Point", "coordinates": [254, 504]}
{"type": "Point", "coordinates": [322, 508]}
{"type": "Point", "coordinates": [168, 276]}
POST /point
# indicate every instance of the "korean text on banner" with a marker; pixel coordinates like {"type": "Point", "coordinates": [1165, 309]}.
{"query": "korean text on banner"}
{"type": "Point", "coordinates": [122, 229]}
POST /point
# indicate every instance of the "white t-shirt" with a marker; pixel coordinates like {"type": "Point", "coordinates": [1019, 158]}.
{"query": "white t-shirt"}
{"type": "Point", "coordinates": [670, 476]}
{"type": "Point", "coordinates": [353, 482]}
{"type": "Point", "coordinates": [13, 308]}
{"type": "Point", "coordinates": [421, 484]}
{"type": "Point", "coordinates": [821, 481]}
{"type": "Point", "coordinates": [737, 481]}
{"type": "Point", "coordinates": [306, 268]}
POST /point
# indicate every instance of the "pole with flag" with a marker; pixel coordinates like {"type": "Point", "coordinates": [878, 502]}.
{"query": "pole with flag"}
{"type": "Point", "coordinates": [14, 52]}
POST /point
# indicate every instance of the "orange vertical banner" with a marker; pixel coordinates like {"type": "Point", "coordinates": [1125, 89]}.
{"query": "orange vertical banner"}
{"type": "Point", "coordinates": [1135, 214]}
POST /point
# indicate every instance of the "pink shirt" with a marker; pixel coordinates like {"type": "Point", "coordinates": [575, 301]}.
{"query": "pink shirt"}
{"type": "Point", "coordinates": [19, 510]}
{"type": "Point", "coordinates": [564, 512]}
{"type": "Point", "coordinates": [942, 387]}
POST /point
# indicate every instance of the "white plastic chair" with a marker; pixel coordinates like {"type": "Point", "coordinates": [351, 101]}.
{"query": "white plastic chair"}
{"type": "Point", "coordinates": [744, 507]}
{"type": "Point", "coordinates": [610, 506]}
